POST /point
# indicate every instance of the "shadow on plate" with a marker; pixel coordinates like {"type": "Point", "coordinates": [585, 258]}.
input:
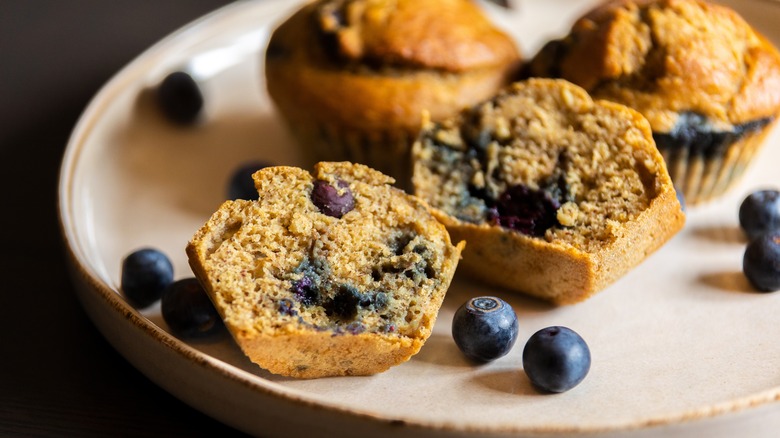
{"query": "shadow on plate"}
{"type": "Point", "coordinates": [734, 281]}
{"type": "Point", "coordinates": [506, 381]}
{"type": "Point", "coordinates": [441, 350]}
{"type": "Point", "coordinates": [732, 235]}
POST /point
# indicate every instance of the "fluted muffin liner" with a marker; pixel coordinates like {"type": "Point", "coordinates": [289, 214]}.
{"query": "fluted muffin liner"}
{"type": "Point", "coordinates": [703, 176]}
{"type": "Point", "coordinates": [387, 151]}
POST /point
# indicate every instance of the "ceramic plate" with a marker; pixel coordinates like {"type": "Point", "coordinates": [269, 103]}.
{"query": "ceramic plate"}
{"type": "Point", "coordinates": [681, 345]}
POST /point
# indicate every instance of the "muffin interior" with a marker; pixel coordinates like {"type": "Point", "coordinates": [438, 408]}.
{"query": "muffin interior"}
{"type": "Point", "coordinates": [543, 159]}
{"type": "Point", "coordinates": [280, 265]}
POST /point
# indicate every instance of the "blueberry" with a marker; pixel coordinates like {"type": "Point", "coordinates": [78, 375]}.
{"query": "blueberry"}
{"type": "Point", "coordinates": [241, 184]}
{"type": "Point", "coordinates": [680, 199]}
{"type": "Point", "coordinates": [287, 307]}
{"type": "Point", "coordinates": [329, 201]}
{"type": "Point", "coordinates": [556, 359]}
{"type": "Point", "coordinates": [355, 328]}
{"type": "Point", "coordinates": [180, 98]}
{"type": "Point", "coordinates": [526, 210]}
{"type": "Point", "coordinates": [761, 262]}
{"type": "Point", "coordinates": [760, 213]}
{"type": "Point", "coordinates": [306, 291]}
{"type": "Point", "coordinates": [145, 274]}
{"type": "Point", "coordinates": [344, 305]}
{"type": "Point", "coordinates": [188, 311]}
{"type": "Point", "coordinates": [485, 328]}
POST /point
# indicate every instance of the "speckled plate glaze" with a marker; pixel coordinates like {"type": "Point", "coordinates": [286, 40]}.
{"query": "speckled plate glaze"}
{"type": "Point", "coordinates": [681, 346]}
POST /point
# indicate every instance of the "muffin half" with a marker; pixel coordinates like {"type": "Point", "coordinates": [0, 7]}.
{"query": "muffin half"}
{"type": "Point", "coordinates": [556, 195]}
{"type": "Point", "coordinates": [326, 274]}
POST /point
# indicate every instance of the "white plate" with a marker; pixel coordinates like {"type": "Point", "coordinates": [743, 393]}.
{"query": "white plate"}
{"type": "Point", "coordinates": [681, 345]}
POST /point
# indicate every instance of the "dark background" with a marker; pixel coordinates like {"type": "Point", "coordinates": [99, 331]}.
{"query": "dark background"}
{"type": "Point", "coordinates": [58, 376]}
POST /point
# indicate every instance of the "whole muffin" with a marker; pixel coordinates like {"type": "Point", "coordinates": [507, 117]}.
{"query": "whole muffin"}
{"type": "Point", "coordinates": [326, 274]}
{"type": "Point", "coordinates": [352, 77]}
{"type": "Point", "coordinates": [706, 81]}
{"type": "Point", "coordinates": [555, 194]}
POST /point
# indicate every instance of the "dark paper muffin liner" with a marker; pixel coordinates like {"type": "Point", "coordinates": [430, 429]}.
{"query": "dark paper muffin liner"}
{"type": "Point", "coordinates": [384, 150]}
{"type": "Point", "coordinates": [703, 169]}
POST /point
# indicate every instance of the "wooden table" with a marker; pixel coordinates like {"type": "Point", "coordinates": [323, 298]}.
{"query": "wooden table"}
{"type": "Point", "coordinates": [58, 376]}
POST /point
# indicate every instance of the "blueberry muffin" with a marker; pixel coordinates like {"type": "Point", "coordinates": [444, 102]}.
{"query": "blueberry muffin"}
{"type": "Point", "coordinates": [326, 274]}
{"type": "Point", "coordinates": [557, 195]}
{"type": "Point", "coordinates": [706, 81]}
{"type": "Point", "coordinates": [352, 77]}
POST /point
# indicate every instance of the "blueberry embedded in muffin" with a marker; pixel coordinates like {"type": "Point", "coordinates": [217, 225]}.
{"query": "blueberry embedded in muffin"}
{"type": "Point", "coordinates": [556, 194]}
{"type": "Point", "coordinates": [325, 274]}
{"type": "Point", "coordinates": [706, 81]}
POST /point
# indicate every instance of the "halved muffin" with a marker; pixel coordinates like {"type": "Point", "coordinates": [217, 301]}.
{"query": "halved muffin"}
{"type": "Point", "coordinates": [557, 195]}
{"type": "Point", "coordinates": [326, 274]}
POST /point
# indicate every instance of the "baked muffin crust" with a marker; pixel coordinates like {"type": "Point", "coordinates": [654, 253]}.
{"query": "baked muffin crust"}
{"type": "Point", "coordinates": [668, 57]}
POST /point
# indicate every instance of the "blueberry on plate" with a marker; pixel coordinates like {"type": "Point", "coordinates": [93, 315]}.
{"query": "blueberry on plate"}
{"type": "Point", "coordinates": [145, 274]}
{"type": "Point", "coordinates": [761, 262]}
{"type": "Point", "coordinates": [332, 201]}
{"type": "Point", "coordinates": [485, 328]}
{"type": "Point", "coordinates": [760, 213]}
{"type": "Point", "coordinates": [188, 311]}
{"type": "Point", "coordinates": [180, 98]}
{"type": "Point", "coordinates": [680, 199]}
{"type": "Point", "coordinates": [241, 184]}
{"type": "Point", "coordinates": [556, 359]}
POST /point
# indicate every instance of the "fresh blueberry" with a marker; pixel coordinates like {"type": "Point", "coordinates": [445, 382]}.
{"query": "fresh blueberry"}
{"type": "Point", "coordinates": [681, 199]}
{"type": "Point", "coordinates": [329, 201]}
{"type": "Point", "coordinates": [556, 359]}
{"type": "Point", "coordinates": [188, 311]}
{"type": "Point", "coordinates": [485, 328]}
{"type": "Point", "coordinates": [761, 262]}
{"type": "Point", "coordinates": [180, 98]}
{"type": "Point", "coordinates": [241, 184]}
{"type": "Point", "coordinates": [760, 213]}
{"type": "Point", "coordinates": [145, 274]}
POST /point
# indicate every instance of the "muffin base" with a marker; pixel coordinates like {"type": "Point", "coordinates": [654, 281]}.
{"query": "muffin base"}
{"type": "Point", "coordinates": [387, 151]}
{"type": "Point", "coordinates": [701, 176]}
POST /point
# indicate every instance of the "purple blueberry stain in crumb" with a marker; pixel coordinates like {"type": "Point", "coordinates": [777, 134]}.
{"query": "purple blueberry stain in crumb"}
{"type": "Point", "coordinates": [306, 292]}
{"type": "Point", "coordinates": [332, 201]}
{"type": "Point", "coordinates": [355, 328]}
{"type": "Point", "coordinates": [344, 305]}
{"type": "Point", "coordinates": [523, 209]}
{"type": "Point", "coordinates": [287, 307]}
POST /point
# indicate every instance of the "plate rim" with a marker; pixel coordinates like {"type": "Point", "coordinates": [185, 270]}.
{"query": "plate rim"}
{"type": "Point", "coordinates": [87, 281]}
